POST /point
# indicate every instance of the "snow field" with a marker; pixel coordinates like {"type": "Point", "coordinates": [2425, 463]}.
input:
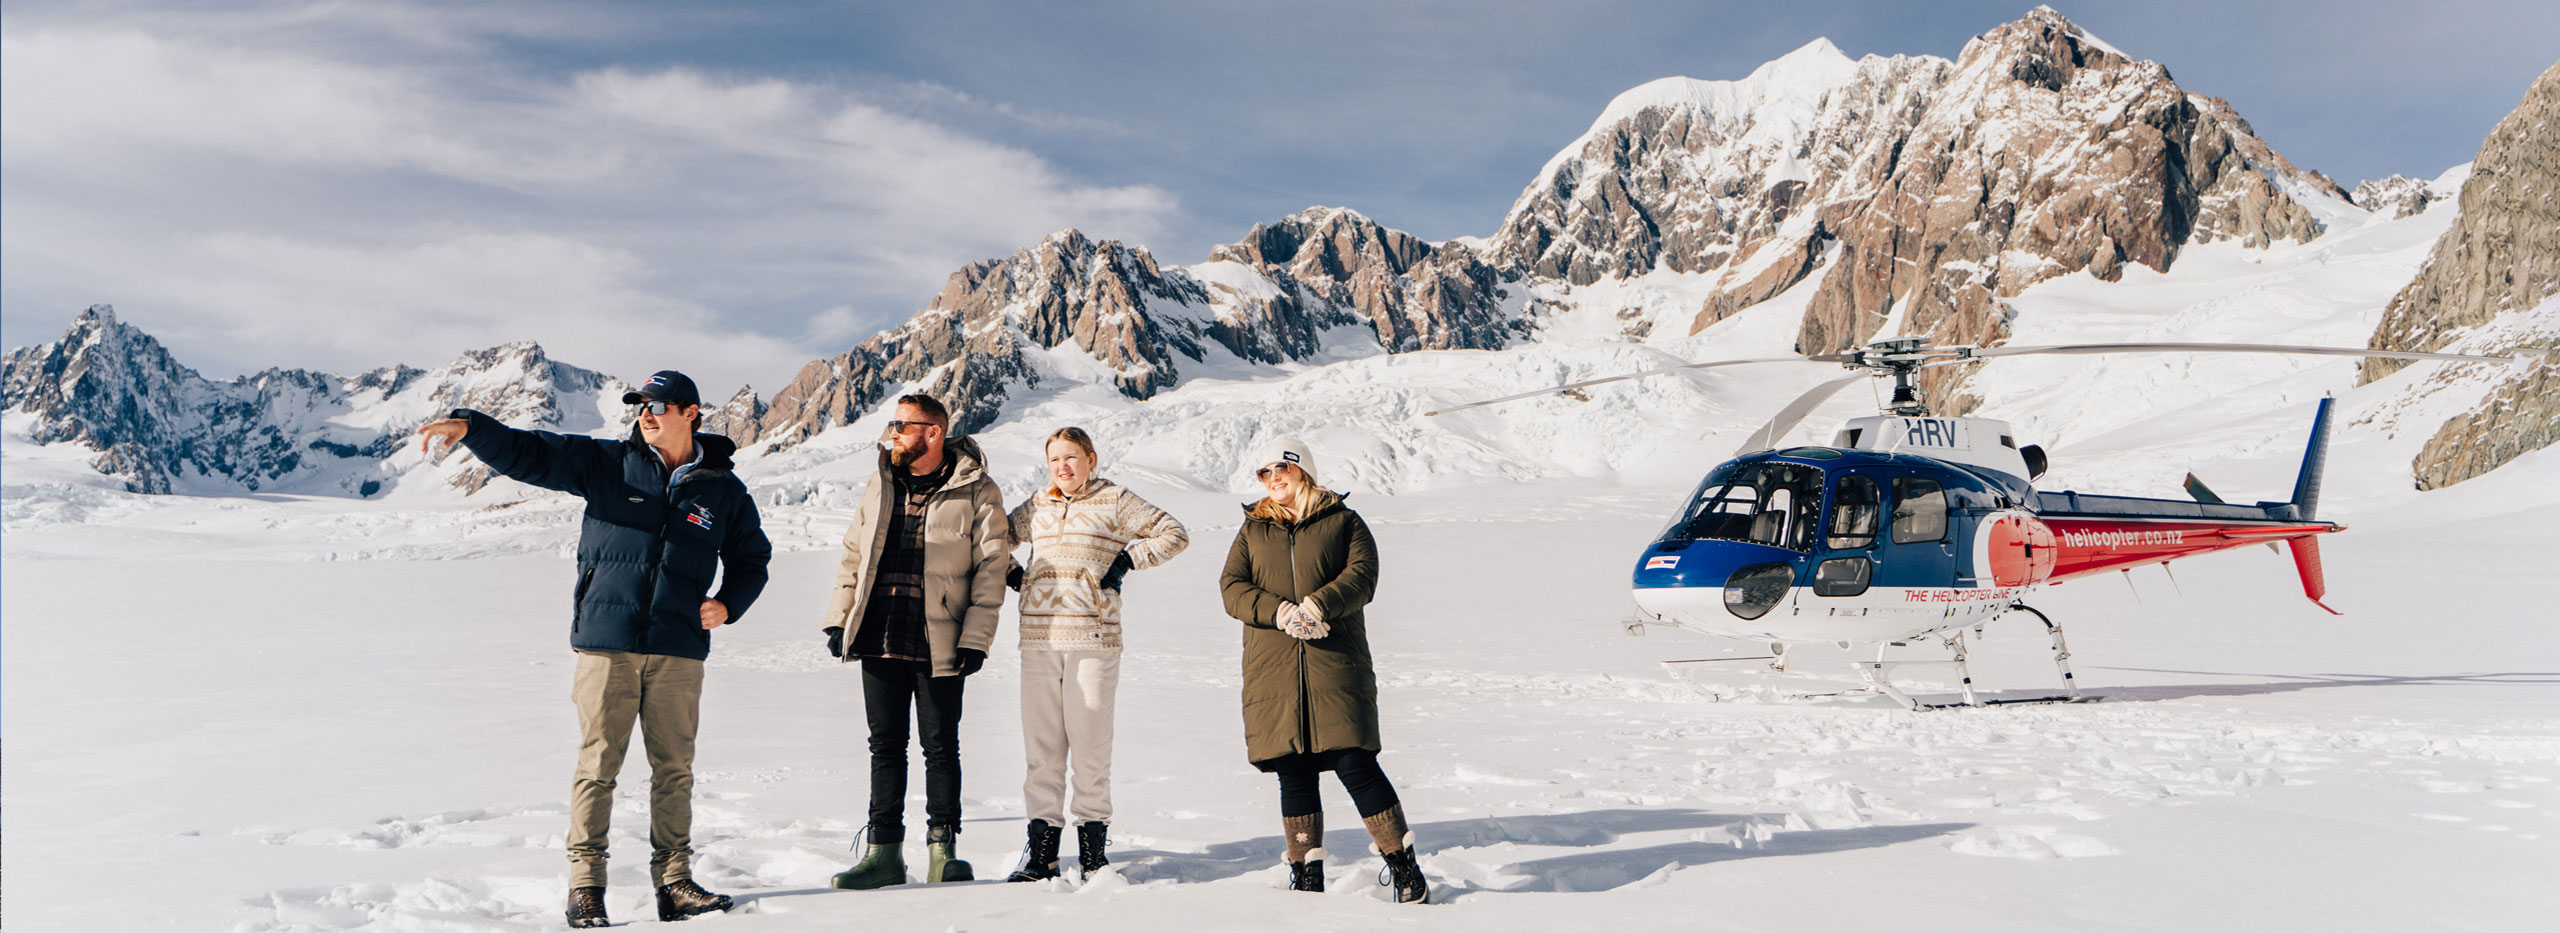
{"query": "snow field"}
{"type": "Point", "coordinates": [385, 745]}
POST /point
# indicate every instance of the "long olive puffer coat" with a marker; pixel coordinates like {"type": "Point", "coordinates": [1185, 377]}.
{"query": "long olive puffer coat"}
{"type": "Point", "coordinates": [1305, 696]}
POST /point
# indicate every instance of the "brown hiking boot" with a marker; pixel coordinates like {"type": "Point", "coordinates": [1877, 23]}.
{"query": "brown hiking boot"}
{"type": "Point", "coordinates": [682, 898]}
{"type": "Point", "coordinates": [586, 908]}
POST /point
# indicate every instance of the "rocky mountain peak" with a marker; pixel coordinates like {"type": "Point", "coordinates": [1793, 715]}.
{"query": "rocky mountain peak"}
{"type": "Point", "coordinates": [2398, 195]}
{"type": "Point", "coordinates": [1915, 191]}
{"type": "Point", "coordinates": [2043, 49]}
{"type": "Point", "coordinates": [161, 427]}
{"type": "Point", "coordinates": [1267, 298]}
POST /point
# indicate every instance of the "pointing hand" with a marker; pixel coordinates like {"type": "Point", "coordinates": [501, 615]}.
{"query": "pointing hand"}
{"type": "Point", "coordinates": [451, 429]}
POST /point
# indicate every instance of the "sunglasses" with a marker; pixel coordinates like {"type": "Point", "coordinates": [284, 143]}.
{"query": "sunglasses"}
{"type": "Point", "coordinates": [900, 427]}
{"type": "Point", "coordinates": [655, 407]}
{"type": "Point", "coordinates": [1265, 472]}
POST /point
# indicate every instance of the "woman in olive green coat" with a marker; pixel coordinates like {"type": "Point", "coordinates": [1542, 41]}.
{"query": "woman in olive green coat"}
{"type": "Point", "coordinates": [1299, 575]}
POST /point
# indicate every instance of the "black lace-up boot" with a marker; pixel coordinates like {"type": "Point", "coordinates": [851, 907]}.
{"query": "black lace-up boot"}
{"type": "Point", "coordinates": [1040, 854]}
{"type": "Point", "coordinates": [1308, 875]}
{"type": "Point", "coordinates": [1091, 838]}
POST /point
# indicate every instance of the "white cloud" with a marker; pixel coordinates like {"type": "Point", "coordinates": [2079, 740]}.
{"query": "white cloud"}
{"type": "Point", "coordinates": [423, 303]}
{"type": "Point", "coordinates": [279, 200]}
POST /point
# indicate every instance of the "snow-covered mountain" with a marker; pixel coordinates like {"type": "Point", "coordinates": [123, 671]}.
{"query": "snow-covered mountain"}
{"type": "Point", "coordinates": [1817, 202]}
{"type": "Point", "coordinates": [1075, 309]}
{"type": "Point", "coordinates": [1917, 191]}
{"type": "Point", "coordinates": [158, 426]}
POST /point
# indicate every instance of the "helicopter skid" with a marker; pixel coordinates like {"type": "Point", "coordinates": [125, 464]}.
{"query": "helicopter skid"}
{"type": "Point", "coordinates": [1754, 677]}
{"type": "Point", "coordinates": [1879, 672]}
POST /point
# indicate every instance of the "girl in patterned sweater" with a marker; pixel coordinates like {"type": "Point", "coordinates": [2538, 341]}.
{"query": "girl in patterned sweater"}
{"type": "Point", "coordinates": [1085, 533]}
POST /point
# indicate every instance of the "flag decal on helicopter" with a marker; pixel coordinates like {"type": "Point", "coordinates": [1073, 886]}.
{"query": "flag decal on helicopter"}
{"type": "Point", "coordinates": [1662, 561]}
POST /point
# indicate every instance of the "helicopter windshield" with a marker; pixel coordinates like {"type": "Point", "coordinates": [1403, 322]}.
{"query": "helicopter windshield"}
{"type": "Point", "coordinates": [1765, 502]}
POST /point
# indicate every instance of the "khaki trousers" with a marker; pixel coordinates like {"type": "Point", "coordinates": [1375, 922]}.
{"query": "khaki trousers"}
{"type": "Point", "coordinates": [665, 693]}
{"type": "Point", "coordinates": [1066, 714]}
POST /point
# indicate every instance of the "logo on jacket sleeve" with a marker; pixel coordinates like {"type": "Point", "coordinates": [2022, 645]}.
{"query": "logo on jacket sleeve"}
{"type": "Point", "coordinates": [701, 517]}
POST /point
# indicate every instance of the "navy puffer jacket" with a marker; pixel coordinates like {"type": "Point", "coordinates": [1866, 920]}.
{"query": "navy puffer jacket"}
{"type": "Point", "coordinates": [648, 552]}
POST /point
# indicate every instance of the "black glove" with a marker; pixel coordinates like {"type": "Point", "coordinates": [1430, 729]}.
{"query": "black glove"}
{"type": "Point", "coordinates": [835, 640]}
{"type": "Point", "coordinates": [1013, 578]}
{"type": "Point", "coordinates": [1120, 567]}
{"type": "Point", "coordinates": [971, 659]}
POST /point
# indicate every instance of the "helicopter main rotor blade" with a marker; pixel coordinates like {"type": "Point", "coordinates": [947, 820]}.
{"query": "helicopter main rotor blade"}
{"type": "Point", "coordinates": [1567, 387]}
{"type": "Point", "coordinates": [1787, 418]}
{"type": "Point", "coordinates": [2086, 348]}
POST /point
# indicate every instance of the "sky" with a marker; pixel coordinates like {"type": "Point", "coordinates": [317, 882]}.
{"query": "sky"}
{"type": "Point", "coordinates": [736, 189]}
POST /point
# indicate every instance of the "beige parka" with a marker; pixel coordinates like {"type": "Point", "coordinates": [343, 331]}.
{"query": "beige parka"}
{"type": "Point", "coordinates": [967, 547]}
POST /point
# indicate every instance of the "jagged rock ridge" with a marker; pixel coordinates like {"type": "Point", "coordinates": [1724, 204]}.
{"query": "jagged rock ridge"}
{"type": "Point", "coordinates": [1910, 183]}
{"type": "Point", "coordinates": [2498, 263]}
{"type": "Point", "coordinates": [1267, 299]}
{"type": "Point", "coordinates": [161, 427]}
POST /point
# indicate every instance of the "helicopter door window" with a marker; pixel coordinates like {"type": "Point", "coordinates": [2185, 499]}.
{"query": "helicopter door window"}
{"type": "Point", "coordinates": [1919, 510]}
{"type": "Point", "coordinates": [1854, 505]}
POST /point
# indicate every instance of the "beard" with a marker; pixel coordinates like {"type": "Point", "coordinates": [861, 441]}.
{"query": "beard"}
{"type": "Point", "coordinates": [903, 457]}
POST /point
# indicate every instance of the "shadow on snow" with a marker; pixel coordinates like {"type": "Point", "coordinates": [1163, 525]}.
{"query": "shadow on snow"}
{"type": "Point", "coordinates": [1586, 871]}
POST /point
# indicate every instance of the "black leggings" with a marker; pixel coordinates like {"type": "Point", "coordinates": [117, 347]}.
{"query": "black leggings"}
{"type": "Point", "coordinates": [1358, 769]}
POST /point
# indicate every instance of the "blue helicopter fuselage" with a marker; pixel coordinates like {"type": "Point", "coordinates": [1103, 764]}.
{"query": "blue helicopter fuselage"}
{"type": "Point", "coordinates": [1823, 544]}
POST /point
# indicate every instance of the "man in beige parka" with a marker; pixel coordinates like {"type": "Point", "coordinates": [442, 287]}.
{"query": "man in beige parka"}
{"type": "Point", "coordinates": [916, 602]}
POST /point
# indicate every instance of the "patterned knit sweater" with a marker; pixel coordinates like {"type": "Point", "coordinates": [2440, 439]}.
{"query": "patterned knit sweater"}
{"type": "Point", "coordinates": [1073, 541]}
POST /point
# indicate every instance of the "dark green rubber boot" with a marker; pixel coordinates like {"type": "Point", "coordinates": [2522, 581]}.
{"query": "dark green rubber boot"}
{"type": "Point", "coordinates": [941, 863]}
{"type": "Point", "coordinates": [883, 865]}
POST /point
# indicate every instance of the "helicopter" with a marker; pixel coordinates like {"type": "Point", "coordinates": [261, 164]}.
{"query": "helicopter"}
{"type": "Point", "coordinates": [1911, 527]}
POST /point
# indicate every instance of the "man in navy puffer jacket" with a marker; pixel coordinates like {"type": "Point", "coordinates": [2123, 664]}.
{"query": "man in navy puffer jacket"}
{"type": "Point", "coordinates": [665, 516]}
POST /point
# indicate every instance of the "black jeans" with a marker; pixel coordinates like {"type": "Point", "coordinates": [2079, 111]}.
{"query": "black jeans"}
{"type": "Point", "coordinates": [1358, 770]}
{"type": "Point", "coordinates": [889, 687]}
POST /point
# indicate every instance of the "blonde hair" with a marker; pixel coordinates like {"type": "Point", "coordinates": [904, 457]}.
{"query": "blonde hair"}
{"type": "Point", "coordinates": [1271, 509]}
{"type": "Point", "coordinates": [1072, 435]}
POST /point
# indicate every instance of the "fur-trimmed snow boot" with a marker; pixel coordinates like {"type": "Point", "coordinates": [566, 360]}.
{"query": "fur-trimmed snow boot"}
{"type": "Point", "coordinates": [1393, 840]}
{"type": "Point", "coordinates": [1303, 839]}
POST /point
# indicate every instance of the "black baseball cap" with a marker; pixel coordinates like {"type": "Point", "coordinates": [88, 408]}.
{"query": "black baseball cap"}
{"type": "Point", "coordinates": [666, 386]}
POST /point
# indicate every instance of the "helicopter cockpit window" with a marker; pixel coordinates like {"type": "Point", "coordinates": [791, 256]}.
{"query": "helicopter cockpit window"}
{"type": "Point", "coordinates": [1854, 505]}
{"type": "Point", "coordinates": [1763, 503]}
{"type": "Point", "coordinates": [1919, 510]}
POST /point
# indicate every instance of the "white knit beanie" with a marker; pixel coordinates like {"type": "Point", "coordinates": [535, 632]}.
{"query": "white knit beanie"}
{"type": "Point", "coordinates": [1291, 451]}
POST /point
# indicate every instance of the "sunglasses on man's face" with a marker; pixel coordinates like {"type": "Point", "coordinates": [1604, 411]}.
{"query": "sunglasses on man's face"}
{"type": "Point", "coordinates": [655, 407]}
{"type": "Point", "coordinates": [900, 427]}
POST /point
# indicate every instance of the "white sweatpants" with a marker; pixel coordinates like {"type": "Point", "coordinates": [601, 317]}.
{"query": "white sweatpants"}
{"type": "Point", "coordinates": [1066, 713]}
